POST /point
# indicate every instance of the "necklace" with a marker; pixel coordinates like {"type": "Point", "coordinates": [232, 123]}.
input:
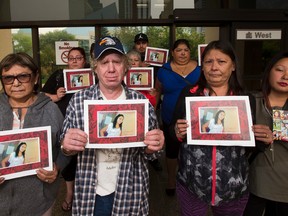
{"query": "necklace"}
{"type": "Point", "coordinates": [183, 72]}
{"type": "Point", "coordinates": [24, 107]}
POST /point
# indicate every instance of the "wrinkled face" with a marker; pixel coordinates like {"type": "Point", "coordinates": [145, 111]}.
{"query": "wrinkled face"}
{"type": "Point", "coordinates": [279, 76]}
{"type": "Point", "coordinates": [22, 88]}
{"type": "Point", "coordinates": [217, 68]}
{"type": "Point", "coordinates": [140, 46]}
{"type": "Point", "coordinates": [181, 54]}
{"type": "Point", "coordinates": [76, 60]}
{"type": "Point", "coordinates": [134, 60]}
{"type": "Point", "coordinates": [110, 70]}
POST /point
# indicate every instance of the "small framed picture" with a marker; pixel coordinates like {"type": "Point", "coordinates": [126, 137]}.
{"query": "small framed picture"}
{"type": "Point", "coordinates": [77, 79]}
{"type": "Point", "coordinates": [140, 78]}
{"type": "Point", "coordinates": [201, 48]}
{"type": "Point", "coordinates": [280, 125]}
{"type": "Point", "coordinates": [116, 124]}
{"type": "Point", "coordinates": [24, 151]}
{"type": "Point", "coordinates": [156, 56]}
{"type": "Point", "coordinates": [220, 120]}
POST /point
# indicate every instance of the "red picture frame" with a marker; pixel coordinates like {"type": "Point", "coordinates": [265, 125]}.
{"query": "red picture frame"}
{"type": "Point", "coordinates": [134, 127]}
{"type": "Point", "coordinates": [77, 79]}
{"type": "Point", "coordinates": [145, 82]}
{"type": "Point", "coordinates": [156, 56]}
{"type": "Point", "coordinates": [236, 127]}
{"type": "Point", "coordinates": [38, 152]}
{"type": "Point", "coordinates": [201, 48]}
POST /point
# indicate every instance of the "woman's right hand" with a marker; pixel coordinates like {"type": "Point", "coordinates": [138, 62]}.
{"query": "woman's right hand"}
{"type": "Point", "coordinates": [60, 93]}
{"type": "Point", "coordinates": [181, 128]}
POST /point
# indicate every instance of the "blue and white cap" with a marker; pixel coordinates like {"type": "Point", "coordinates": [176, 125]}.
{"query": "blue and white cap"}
{"type": "Point", "coordinates": [107, 43]}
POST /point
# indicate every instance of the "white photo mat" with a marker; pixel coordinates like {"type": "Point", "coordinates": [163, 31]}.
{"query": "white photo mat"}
{"type": "Point", "coordinates": [99, 113]}
{"type": "Point", "coordinates": [38, 150]}
{"type": "Point", "coordinates": [237, 129]}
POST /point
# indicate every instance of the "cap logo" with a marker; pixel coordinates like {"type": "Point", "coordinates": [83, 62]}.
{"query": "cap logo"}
{"type": "Point", "coordinates": [107, 41]}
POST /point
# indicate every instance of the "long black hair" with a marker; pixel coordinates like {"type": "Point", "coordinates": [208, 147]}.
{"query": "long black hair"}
{"type": "Point", "coordinates": [217, 117]}
{"type": "Point", "coordinates": [265, 86]}
{"type": "Point", "coordinates": [18, 149]}
{"type": "Point", "coordinates": [233, 83]}
{"type": "Point", "coordinates": [115, 121]}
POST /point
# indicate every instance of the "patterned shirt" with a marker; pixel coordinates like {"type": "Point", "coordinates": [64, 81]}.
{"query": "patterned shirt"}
{"type": "Point", "coordinates": [215, 174]}
{"type": "Point", "coordinates": [131, 195]}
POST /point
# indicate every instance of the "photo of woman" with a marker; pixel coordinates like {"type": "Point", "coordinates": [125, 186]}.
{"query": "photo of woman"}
{"type": "Point", "coordinates": [113, 129]}
{"type": "Point", "coordinates": [77, 81]}
{"type": "Point", "coordinates": [216, 124]}
{"type": "Point", "coordinates": [136, 79]}
{"type": "Point", "coordinates": [16, 158]}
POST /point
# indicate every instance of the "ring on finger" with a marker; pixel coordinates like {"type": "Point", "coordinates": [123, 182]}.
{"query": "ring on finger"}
{"type": "Point", "coordinates": [267, 135]}
{"type": "Point", "coordinates": [47, 180]}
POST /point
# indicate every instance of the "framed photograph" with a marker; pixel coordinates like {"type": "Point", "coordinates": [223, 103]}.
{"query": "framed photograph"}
{"type": "Point", "coordinates": [140, 78]}
{"type": "Point", "coordinates": [77, 79]}
{"type": "Point", "coordinates": [116, 123]}
{"type": "Point", "coordinates": [220, 120]}
{"type": "Point", "coordinates": [201, 48]}
{"type": "Point", "coordinates": [280, 125]}
{"type": "Point", "coordinates": [156, 56]}
{"type": "Point", "coordinates": [33, 148]}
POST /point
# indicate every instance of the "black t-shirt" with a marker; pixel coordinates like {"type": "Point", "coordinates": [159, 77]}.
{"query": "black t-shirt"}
{"type": "Point", "coordinates": [55, 81]}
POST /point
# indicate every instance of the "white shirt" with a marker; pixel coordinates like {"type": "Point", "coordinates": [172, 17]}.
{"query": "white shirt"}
{"type": "Point", "coordinates": [108, 163]}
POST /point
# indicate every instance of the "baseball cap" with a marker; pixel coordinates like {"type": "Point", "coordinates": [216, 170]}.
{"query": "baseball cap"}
{"type": "Point", "coordinates": [140, 37]}
{"type": "Point", "coordinates": [107, 43]}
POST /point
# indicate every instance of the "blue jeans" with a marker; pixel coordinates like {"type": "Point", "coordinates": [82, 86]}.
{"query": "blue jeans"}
{"type": "Point", "coordinates": [103, 205]}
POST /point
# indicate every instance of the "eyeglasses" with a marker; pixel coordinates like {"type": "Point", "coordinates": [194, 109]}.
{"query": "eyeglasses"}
{"type": "Point", "coordinates": [78, 58]}
{"type": "Point", "coordinates": [22, 78]}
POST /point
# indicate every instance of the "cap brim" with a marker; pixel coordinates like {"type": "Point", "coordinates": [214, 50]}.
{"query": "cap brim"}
{"type": "Point", "coordinates": [109, 48]}
{"type": "Point", "coordinates": [140, 40]}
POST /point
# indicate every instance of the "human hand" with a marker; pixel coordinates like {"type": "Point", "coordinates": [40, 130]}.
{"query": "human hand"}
{"type": "Point", "coordinates": [74, 140]}
{"type": "Point", "coordinates": [154, 140]}
{"type": "Point", "coordinates": [2, 179]}
{"type": "Point", "coordinates": [145, 64]}
{"type": "Point", "coordinates": [60, 93]}
{"type": "Point", "coordinates": [152, 91]}
{"type": "Point", "coordinates": [47, 176]}
{"type": "Point", "coordinates": [263, 133]}
{"type": "Point", "coordinates": [181, 128]}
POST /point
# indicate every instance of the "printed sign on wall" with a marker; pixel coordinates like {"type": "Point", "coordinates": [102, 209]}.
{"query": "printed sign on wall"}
{"type": "Point", "coordinates": [62, 48]}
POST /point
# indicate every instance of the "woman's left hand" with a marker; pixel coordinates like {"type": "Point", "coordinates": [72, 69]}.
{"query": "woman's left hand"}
{"type": "Point", "coordinates": [153, 92]}
{"type": "Point", "coordinates": [47, 176]}
{"type": "Point", "coordinates": [154, 140]}
{"type": "Point", "coordinates": [263, 133]}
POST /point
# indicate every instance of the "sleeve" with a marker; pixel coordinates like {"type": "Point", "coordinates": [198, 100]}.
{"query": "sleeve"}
{"type": "Point", "coordinates": [55, 81]}
{"type": "Point", "coordinates": [180, 110]}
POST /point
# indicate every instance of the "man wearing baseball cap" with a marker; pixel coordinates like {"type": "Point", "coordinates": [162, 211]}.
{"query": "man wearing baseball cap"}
{"type": "Point", "coordinates": [110, 181]}
{"type": "Point", "coordinates": [140, 43]}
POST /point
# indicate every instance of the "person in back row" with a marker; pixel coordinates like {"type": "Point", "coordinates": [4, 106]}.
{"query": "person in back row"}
{"type": "Point", "coordinates": [141, 42]}
{"type": "Point", "coordinates": [54, 88]}
{"type": "Point", "coordinates": [172, 77]}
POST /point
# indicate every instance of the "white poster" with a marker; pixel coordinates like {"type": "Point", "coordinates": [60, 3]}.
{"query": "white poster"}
{"type": "Point", "coordinates": [62, 48]}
